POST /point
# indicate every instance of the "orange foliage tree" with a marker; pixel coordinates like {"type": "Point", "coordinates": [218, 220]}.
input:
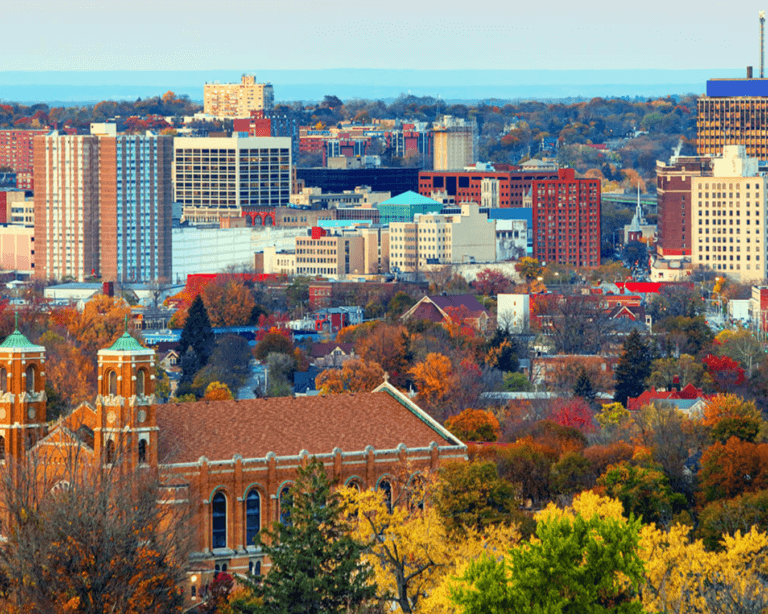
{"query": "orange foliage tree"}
{"type": "Point", "coordinates": [69, 372]}
{"type": "Point", "coordinates": [732, 468]}
{"type": "Point", "coordinates": [216, 391]}
{"type": "Point", "coordinates": [100, 324]}
{"type": "Point", "coordinates": [432, 378]}
{"type": "Point", "coordinates": [474, 425]}
{"type": "Point", "coordinates": [387, 345]}
{"type": "Point", "coordinates": [354, 376]}
{"type": "Point", "coordinates": [228, 302]}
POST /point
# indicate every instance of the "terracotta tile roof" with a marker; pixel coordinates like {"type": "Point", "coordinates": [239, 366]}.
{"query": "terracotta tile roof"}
{"type": "Point", "coordinates": [286, 425]}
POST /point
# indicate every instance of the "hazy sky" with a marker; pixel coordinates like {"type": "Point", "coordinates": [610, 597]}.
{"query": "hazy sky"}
{"type": "Point", "coordinates": [290, 34]}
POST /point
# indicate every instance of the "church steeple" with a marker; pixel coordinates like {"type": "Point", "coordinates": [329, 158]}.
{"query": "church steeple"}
{"type": "Point", "coordinates": [22, 394]}
{"type": "Point", "coordinates": [126, 428]}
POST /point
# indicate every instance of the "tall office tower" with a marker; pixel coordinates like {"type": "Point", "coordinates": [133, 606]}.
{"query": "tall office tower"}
{"type": "Point", "coordinates": [16, 152]}
{"type": "Point", "coordinates": [135, 209]}
{"type": "Point", "coordinates": [734, 112]}
{"type": "Point", "coordinates": [673, 188]}
{"type": "Point", "coordinates": [66, 206]}
{"type": "Point", "coordinates": [224, 177]}
{"type": "Point", "coordinates": [238, 99]}
{"type": "Point", "coordinates": [566, 219]}
{"type": "Point", "coordinates": [103, 207]}
{"type": "Point", "coordinates": [454, 143]}
{"type": "Point", "coordinates": [729, 210]}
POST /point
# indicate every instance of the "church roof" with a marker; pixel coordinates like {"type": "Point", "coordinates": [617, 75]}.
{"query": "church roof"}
{"type": "Point", "coordinates": [218, 430]}
{"type": "Point", "coordinates": [17, 340]}
{"type": "Point", "coordinates": [126, 343]}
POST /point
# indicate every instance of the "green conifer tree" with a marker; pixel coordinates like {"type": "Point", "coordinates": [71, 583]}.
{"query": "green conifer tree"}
{"type": "Point", "coordinates": [583, 387]}
{"type": "Point", "coordinates": [633, 368]}
{"type": "Point", "coordinates": [197, 333]}
{"type": "Point", "coordinates": [316, 564]}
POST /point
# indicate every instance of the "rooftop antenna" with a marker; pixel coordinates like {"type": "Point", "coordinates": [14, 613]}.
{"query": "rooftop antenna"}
{"type": "Point", "coordinates": [762, 45]}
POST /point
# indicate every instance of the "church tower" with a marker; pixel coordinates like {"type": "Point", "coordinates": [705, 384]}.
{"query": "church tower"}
{"type": "Point", "coordinates": [126, 425]}
{"type": "Point", "coordinates": [22, 395]}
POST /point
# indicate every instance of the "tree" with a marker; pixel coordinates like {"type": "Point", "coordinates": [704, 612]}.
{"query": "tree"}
{"type": "Point", "coordinates": [216, 391]}
{"type": "Point", "coordinates": [732, 468]}
{"type": "Point", "coordinates": [729, 415]}
{"type": "Point", "coordinates": [529, 268]}
{"type": "Point", "coordinates": [668, 372]}
{"type": "Point", "coordinates": [583, 387]}
{"type": "Point", "coordinates": [474, 425]}
{"type": "Point", "coordinates": [741, 513]}
{"type": "Point", "coordinates": [724, 371]}
{"type": "Point", "coordinates": [354, 376]}
{"type": "Point", "coordinates": [68, 371]}
{"type": "Point", "coordinates": [84, 539]}
{"type": "Point", "coordinates": [197, 333]}
{"type": "Point", "coordinates": [643, 491]}
{"type": "Point", "coordinates": [582, 562]}
{"type": "Point", "coordinates": [633, 368]}
{"type": "Point", "coordinates": [472, 495]}
{"type": "Point", "coordinates": [742, 346]}
{"type": "Point", "coordinates": [574, 413]}
{"type": "Point", "coordinates": [491, 282]}
{"type": "Point", "coordinates": [316, 563]}
{"type": "Point", "coordinates": [432, 378]}
{"type": "Point", "coordinates": [228, 302]}
{"type": "Point", "coordinates": [529, 464]}
{"type": "Point", "coordinates": [275, 341]}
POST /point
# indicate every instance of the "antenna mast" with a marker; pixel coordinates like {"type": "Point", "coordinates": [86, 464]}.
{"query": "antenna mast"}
{"type": "Point", "coordinates": [762, 43]}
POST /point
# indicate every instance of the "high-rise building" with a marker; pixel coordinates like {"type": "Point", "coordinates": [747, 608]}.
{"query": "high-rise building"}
{"type": "Point", "coordinates": [454, 143]}
{"type": "Point", "coordinates": [729, 210]}
{"type": "Point", "coordinates": [16, 152]}
{"type": "Point", "coordinates": [225, 177]}
{"type": "Point", "coordinates": [673, 190]}
{"type": "Point", "coordinates": [566, 220]}
{"type": "Point", "coordinates": [238, 99]}
{"type": "Point", "coordinates": [734, 112]}
{"type": "Point", "coordinates": [135, 208]}
{"type": "Point", "coordinates": [103, 207]}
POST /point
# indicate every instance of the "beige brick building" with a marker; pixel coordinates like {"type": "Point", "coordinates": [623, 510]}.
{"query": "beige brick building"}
{"type": "Point", "coordinates": [334, 256]}
{"type": "Point", "coordinates": [435, 239]}
{"type": "Point", "coordinates": [238, 99]}
{"type": "Point", "coordinates": [729, 212]}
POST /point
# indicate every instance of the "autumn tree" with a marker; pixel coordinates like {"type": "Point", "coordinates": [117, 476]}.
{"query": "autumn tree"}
{"type": "Point", "coordinates": [633, 368]}
{"type": "Point", "coordinates": [474, 425]}
{"type": "Point", "coordinates": [728, 415]}
{"type": "Point", "coordinates": [491, 282]}
{"type": "Point", "coordinates": [69, 372]}
{"type": "Point", "coordinates": [529, 268]}
{"type": "Point", "coordinates": [668, 372]}
{"type": "Point", "coordinates": [742, 346]}
{"type": "Point", "coordinates": [354, 376]}
{"type": "Point", "coordinates": [573, 413]}
{"type": "Point", "coordinates": [275, 341]}
{"type": "Point", "coordinates": [732, 468]}
{"type": "Point", "coordinates": [228, 302]}
{"type": "Point", "coordinates": [216, 391]}
{"type": "Point", "coordinates": [85, 539]}
{"type": "Point", "coordinates": [529, 464]}
{"type": "Point", "coordinates": [387, 345]}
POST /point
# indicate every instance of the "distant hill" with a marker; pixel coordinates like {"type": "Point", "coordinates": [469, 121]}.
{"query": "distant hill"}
{"type": "Point", "coordinates": [71, 87]}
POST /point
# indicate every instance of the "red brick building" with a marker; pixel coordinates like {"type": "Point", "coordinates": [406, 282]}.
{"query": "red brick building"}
{"type": "Point", "coordinates": [231, 461]}
{"type": "Point", "coordinates": [510, 186]}
{"type": "Point", "coordinates": [673, 189]}
{"type": "Point", "coordinates": [566, 220]}
{"type": "Point", "coordinates": [16, 153]}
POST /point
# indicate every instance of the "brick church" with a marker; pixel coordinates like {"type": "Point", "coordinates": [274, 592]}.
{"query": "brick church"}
{"type": "Point", "coordinates": [233, 461]}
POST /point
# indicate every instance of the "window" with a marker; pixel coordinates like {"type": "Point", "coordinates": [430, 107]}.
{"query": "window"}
{"type": "Point", "coordinates": [254, 568]}
{"type": "Point", "coordinates": [386, 488]}
{"type": "Point", "coordinates": [110, 451]}
{"type": "Point", "coordinates": [140, 377]}
{"type": "Point", "coordinates": [285, 506]}
{"type": "Point", "coordinates": [30, 378]}
{"type": "Point", "coordinates": [219, 521]}
{"type": "Point", "coordinates": [142, 450]}
{"type": "Point", "coordinates": [2, 448]}
{"type": "Point", "coordinates": [112, 383]}
{"type": "Point", "coordinates": [252, 516]}
{"type": "Point", "coordinates": [3, 380]}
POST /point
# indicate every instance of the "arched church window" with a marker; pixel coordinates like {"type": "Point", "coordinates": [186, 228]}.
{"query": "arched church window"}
{"type": "Point", "coordinates": [142, 450]}
{"type": "Point", "coordinates": [30, 378]}
{"type": "Point", "coordinates": [3, 380]}
{"type": "Point", "coordinates": [2, 448]}
{"type": "Point", "coordinates": [219, 521]}
{"type": "Point", "coordinates": [285, 506]}
{"type": "Point", "coordinates": [110, 448]}
{"type": "Point", "coordinates": [386, 489]}
{"type": "Point", "coordinates": [252, 516]}
{"type": "Point", "coordinates": [112, 383]}
{"type": "Point", "coordinates": [140, 377]}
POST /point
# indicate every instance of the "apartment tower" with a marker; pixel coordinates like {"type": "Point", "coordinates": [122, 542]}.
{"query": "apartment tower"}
{"type": "Point", "coordinates": [454, 143]}
{"type": "Point", "coordinates": [103, 207]}
{"type": "Point", "coordinates": [233, 100]}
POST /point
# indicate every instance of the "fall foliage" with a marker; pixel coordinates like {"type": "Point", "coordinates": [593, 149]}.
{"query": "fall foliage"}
{"type": "Point", "coordinates": [354, 376]}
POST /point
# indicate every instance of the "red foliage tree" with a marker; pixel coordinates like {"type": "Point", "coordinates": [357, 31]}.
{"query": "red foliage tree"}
{"type": "Point", "coordinates": [491, 282]}
{"type": "Point", "coordinates": [725, 372]}
{"type": "Point", "coordinates": [574, 413]}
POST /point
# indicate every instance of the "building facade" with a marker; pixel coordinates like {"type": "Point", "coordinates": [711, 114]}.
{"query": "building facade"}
{"type": "Point", "coordinates": [734, 112]}
{"type": "Point", "coordinates": [233, 100]}
{"type": "Point", "coordinates": [403, 207]}
{"type": "Point", "coordinates": [566, 220]}
{"type": "Point", "coordinates": [66, 207]}
{"type": "Point", "coordinates": [16, 150]}
{"type": "Point", "coordinates": [135, 208]}
{"type": "Point", "coordinates": [729, 228]}
{"type": "Point", "coordinates": [453, 143]}
{"type": "Point", "coordinates": [673, 190]}
{"type": "Point", "coordinates": [488, 188]}
{"type": "Point", "coordinates": [224, 177]}
{"type": "Point", "coordinates": [333, 256]}
{"type": "Point", "coordinates": [435, 240]}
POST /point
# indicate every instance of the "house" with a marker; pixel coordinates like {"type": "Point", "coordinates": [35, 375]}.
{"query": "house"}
{"type": "Point", "coordinates": [331, 354]}
{"type": "Point", "coordinates": [689, 399]}
{"type": "Point", "coordinates": [449, 308]}
{"type": "Point", "coordinates": [232, 461]}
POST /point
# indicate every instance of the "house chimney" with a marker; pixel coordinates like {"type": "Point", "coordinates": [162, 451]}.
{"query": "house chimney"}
{"type": "Point", "coordinates": [749, 72]}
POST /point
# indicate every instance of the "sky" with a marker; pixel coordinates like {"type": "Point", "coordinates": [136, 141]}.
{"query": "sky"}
{"type": "Point", "coordinates": [77, 35]}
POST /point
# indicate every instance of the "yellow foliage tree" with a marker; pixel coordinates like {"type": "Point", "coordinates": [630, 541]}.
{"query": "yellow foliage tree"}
{"type": "Point", "coordinates": [216, 391]}
{"type": "Point", "coordinates": [228, 302]}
